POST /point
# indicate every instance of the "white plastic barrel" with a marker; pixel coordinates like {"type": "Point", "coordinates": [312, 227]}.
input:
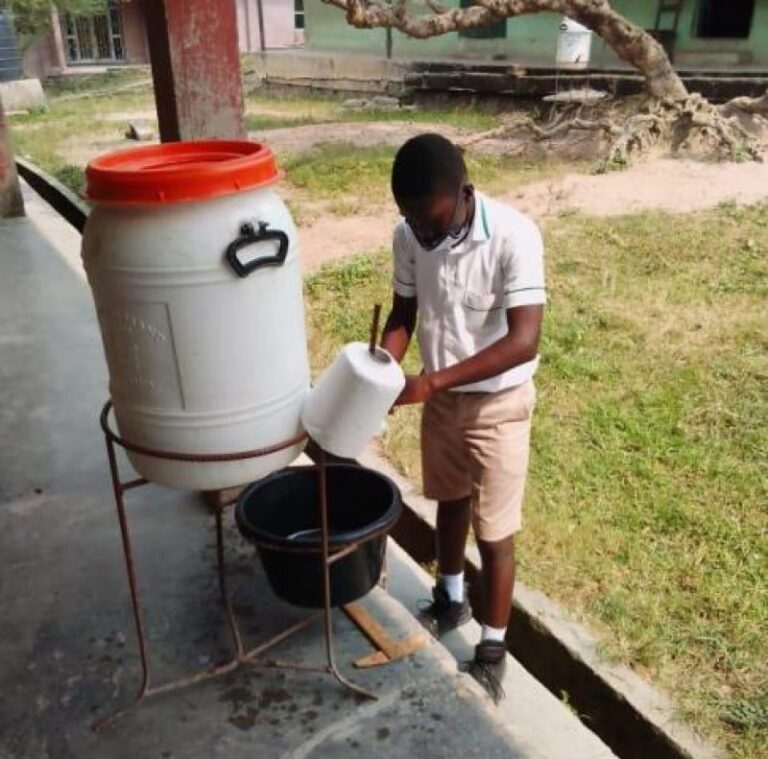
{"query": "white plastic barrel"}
{"type": "Point", "coordinates": [574, 45]}
{"type": "Point", "coordinates": [349, 403]}
{"type": "Point", "coordinates": [193, 263]}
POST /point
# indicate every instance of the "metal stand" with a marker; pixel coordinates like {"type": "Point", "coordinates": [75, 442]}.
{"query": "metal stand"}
{"type": "Point", "coordinates": [240, 655]}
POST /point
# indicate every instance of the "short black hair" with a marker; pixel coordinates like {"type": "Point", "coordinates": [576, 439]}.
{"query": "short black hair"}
{"type": "Point", "coordinates": [427, 165]}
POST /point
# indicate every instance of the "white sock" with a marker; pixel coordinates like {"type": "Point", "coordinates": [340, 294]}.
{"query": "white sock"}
{"type": "Point", "coordinates": [454, 586]}
{"type": "Point", "coordinates": [493, 633]}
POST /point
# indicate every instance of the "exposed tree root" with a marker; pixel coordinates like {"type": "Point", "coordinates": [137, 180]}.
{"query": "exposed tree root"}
{"type": "Point", "coordinates": [557, 128]}
{"type": "Point", "coordinates": [688, 125]}
{"type": "Point", "coordinates": [757, 106]}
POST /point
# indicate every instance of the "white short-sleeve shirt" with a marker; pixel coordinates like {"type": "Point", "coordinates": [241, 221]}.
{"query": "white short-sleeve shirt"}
{"type": "Point", "coordinates": [463, 292]}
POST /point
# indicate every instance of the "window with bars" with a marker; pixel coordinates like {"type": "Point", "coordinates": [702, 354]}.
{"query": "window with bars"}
{"type": "Point", "coordinates": [731, 19]}
{"type": "Point", "coordinates": [298, 14]}
{"type": "Point", "coordinates": [94, 37]}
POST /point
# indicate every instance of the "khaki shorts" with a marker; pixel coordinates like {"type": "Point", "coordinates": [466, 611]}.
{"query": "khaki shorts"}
{"type": "Point", "coordinates": [477, 444]}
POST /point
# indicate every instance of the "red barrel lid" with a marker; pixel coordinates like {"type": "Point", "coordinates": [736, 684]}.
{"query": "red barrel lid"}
{"type": "Point", "coordinates": [180, 171]}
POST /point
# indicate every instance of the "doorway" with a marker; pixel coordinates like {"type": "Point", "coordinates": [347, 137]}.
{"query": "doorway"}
{"type": "Point", "coordinates": [727, 19]}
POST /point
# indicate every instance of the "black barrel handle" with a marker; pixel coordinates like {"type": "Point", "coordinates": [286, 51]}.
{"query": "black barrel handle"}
{"type": "Point", "coordinates": [250, 236]}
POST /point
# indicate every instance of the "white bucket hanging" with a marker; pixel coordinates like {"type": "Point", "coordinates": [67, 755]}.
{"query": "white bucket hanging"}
{"type": "Point", "coordinates": [350, 402]}
{"type": "Point", "coordinates": [574, 45]}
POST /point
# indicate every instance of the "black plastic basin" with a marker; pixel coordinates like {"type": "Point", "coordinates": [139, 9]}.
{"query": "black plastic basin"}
{"type": "Point", "coordinates": [280, 515]}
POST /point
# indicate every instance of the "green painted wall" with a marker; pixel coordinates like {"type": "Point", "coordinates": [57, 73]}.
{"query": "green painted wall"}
{"type": "Point", "coordinates": [530, 39]}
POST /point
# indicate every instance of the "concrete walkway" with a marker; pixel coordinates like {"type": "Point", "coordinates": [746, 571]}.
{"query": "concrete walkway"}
{"type": "Point", "coordinates": [66, 639]}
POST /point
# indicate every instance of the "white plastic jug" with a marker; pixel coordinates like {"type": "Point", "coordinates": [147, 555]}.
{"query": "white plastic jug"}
{"type": "Point", "coordinates": [350, 402]}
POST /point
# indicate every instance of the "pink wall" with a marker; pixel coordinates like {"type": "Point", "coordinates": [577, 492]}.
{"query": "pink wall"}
{"type": "Point", "coordinates": [134, 33]}
{"type": "Point", "coordinates": [278, 24]}
{"type": "Point", "coordinates": [40, 59]}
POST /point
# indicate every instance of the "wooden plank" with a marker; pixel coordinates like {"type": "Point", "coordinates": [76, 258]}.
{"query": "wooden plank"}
{"type": "Point", "coordinates": [372, 629]}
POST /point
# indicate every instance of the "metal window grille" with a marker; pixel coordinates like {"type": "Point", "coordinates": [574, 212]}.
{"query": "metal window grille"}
{"type": "Point", "coordinates": [92, 38]}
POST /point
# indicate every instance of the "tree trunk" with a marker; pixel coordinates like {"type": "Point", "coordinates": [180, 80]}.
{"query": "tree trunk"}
{"type": "Point", "coordinates": [633, 45]}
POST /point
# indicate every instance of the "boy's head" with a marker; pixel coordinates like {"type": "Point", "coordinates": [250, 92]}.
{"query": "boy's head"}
{"type": "Point", "coordinates": [431, 188]}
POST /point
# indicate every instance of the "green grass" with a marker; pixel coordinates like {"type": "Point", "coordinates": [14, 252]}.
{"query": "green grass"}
{"type": "Point", "coordinates": [49, 137]}
{"type": "Point", "coordinates": [339, 168]}
{"type": "Point", "coordinates": [647, 506]}
{"type": "Point", "coordinates": [333, 171]}
{"type": "Point", "coordinates": [255, 122]}
{"type": "Point", "coordinates": [70, 176]}
{"type": "Point", "coordinates": [321, 108]}
{"type": "Point", "coordinates": [115, 77]}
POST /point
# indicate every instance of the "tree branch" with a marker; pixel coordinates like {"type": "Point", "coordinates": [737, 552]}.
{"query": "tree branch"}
{"type": "Point", "coordinates": [435, 6]}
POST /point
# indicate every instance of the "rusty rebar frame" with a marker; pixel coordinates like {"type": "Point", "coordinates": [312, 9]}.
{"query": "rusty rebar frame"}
{"type": "Point", "coordinates": [240, 655]}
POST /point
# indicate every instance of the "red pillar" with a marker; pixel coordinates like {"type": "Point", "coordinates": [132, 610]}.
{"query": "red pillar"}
{"type": "Point", "coordinates": [10, 194]}
{"type": "Point", "coordinates": [193, 46]}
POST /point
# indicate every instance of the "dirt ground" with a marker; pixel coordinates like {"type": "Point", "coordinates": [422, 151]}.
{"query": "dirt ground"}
{"type": "Point", "coordinates": [367, 134]}
{"type": "Point", "coordinates": [673, 185]}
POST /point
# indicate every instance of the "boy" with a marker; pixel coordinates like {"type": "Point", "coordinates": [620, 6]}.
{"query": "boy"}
{"type": "Point", "coordinates": [472, 270]}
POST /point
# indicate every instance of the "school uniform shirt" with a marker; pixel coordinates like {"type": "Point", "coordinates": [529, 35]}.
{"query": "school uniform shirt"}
{"type": "Point", "coordinates": [463, 292]}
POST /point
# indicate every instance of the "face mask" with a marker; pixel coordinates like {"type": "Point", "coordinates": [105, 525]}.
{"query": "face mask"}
{"type": "Point", "coordinates": [455, 234]}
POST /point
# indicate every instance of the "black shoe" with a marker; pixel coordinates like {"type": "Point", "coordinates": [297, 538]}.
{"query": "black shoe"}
{"type": "Point", "coordinates": [488, 667]}
{"type": "Point", "coordinates": [442, 615]}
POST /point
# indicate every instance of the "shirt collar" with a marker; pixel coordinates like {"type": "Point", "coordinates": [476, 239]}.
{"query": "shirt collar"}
{"type": "Point", "coordinates": [481, 229]}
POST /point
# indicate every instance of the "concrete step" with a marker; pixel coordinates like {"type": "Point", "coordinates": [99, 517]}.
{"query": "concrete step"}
{"type": "Point", "coordinates": [532, 713]}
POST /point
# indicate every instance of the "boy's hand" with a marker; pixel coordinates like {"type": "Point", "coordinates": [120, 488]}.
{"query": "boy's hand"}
{"type": "Point", "coordinates": [418, 389]}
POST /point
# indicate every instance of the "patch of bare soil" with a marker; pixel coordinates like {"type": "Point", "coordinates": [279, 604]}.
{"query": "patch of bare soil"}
{"type": "Point", "coordinates": [575, 146]}
{"type": "Point", "coordinates": [294, 139]}
{"type": "Point", "coordinates": [144, 115]}
{"type": "Point", "coordinates": [665, 184]}
{"type": "Point", "coordinates": [333, 238]}
{"type": "Point", "coordinates": [79, 152]}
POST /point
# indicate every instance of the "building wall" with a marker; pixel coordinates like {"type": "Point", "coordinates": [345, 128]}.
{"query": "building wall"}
{"type": "Point", "coordinates": [531, 39]}
{"type": "Point", "coordinates": [40, 58]}
{"type": "Point", "coordinates": [278, 24]}
{"type": "Point", "coordinates": [136, 49]}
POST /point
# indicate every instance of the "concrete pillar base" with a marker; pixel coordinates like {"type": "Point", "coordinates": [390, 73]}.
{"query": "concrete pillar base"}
{"type": "Point", "coordinates": [11, 203]}
{"type": "Point", "coordinates": [22, 95]}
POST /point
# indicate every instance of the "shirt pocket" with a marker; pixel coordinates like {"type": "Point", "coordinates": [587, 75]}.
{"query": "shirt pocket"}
{"type": "Point", "coordinates": [482, 311]}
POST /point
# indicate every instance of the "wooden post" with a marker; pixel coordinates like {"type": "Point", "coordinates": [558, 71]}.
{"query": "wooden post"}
{"type": "Point", "coordinates": [11, 203]}
{"type": "Point", "coordinates": [193, 47]}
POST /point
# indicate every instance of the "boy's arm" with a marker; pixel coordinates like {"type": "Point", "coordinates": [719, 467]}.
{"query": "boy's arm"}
{"type": "Point", "coordinates": [518, 346]}
{"type": "Point", "coordinates": [399, 327]}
